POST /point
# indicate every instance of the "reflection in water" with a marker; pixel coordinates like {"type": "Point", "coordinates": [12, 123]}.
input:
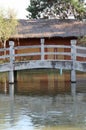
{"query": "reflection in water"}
{"type": "Point", "coordinates": [73, 91]}
{"type": "Point", "coordinates": [43, 103]}
{"type": "Point", "coordinates": [11, 94]}
{"type": "Point", "coordinates": [60, 112]}
{"type": "Point", "coordinates": [42, 83]}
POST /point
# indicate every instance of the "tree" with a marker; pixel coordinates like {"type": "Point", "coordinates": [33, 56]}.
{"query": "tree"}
{"type": "Point", "coordinates": [82, 41]}
{"type": "Point", "coordinates": [36, 8]}
{"type": "Point", "coordinates": [60, 9]}
{"type": "Point", "coordinates": [8, 23]}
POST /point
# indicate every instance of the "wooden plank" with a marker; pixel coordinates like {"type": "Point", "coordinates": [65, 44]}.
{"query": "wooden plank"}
{"type": "Point", "coordinates": [4, 56]}
{"type": "Point", "coordinates": [58, 53]}
{"type": "Point", "coordinates": [80, 48]}
{"type": "Point", "coordinates": [28, 54]}
{"type": "Point", "coordinates": [56, 46]}
{"type": "Point", "coordinates": [80, 55]}
{"type": "Point", "coordinates": [4, 49]}
{"type": "Point", "coordinates": [27, 47]}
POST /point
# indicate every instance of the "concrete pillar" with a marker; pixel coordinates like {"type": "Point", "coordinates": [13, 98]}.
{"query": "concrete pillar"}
{"type": "Point", "coordinates": [73, 58]}
{"type": "Point", "coordinates": [11, 77]}
{"type": "Point", "coordinates": [42, 48]}
{"type": "Point", "coordinates": [11, 52]}
{"type": "Point", "coordinates": [11, 91]}
{"type": "Point", "coordinates": [73, 76]}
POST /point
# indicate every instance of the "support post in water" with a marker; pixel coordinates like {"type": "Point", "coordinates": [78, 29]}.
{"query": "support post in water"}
{"type": "Point", "coordinates": [11, 52]}
{"type": "Point", "coordinates": [73, 58]}
{"type": "Point", "coordinates": [61, 71]}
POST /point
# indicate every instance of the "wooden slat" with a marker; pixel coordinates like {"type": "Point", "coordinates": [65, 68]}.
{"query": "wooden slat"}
{"type": "Point", "coordinates": [56, 46]}
{"type": "Point", "coordinates": [27, 47]}
{"type": "Point", "coordinates": [81, 55]}
{"type": "Point", "coordinates": [80, 48]}
{"type": "Point", "coordinates": [58, 53]}
{"type": "Point", "coordinates": [81, 51]}
{"type": "Point", "coordinates": [4, 49]}
{"type": "Point", "coordinates": [28, 54]}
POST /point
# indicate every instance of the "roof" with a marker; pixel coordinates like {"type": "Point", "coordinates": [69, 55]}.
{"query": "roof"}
{"type": "Point", "coordinates": [50, 28]}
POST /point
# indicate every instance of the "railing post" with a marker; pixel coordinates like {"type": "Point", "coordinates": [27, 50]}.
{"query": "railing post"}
{"type": "Point", "coordinates": [73, 58]}
{"type": "Point", "coordinates": [42, 48]}
{"type": "Point", "coordinates": [11, 53]}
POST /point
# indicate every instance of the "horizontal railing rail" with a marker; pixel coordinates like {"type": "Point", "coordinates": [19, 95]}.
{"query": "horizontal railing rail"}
{"type": "Point", "coordinates": [4, 49]}
{"type": "Point", "coordinates": [81, 51]}
{"type": "Point", "coordinates": [52, 50]}
{"type": "Point", "coordinates": [56, 46]}
{"type": "Point", "coordinates": [58, 53]}
{"type": "Point", "coordinates": [28, 54]}
{"type": "Point", "coordinates": [27, 47]}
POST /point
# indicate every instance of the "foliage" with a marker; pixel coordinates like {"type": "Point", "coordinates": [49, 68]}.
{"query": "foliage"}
{"type": "Point", "coordinates": [36, 8]}
{"type": "Point", "coordinates": [8, 23]}
{"type": "Point", "coordinates": [82, 41]}
{"type": "Point", "coordinates": [56, 8]}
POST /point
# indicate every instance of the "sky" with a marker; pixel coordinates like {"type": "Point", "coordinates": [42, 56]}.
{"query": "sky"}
{"type": "Point", "coordinates": [18, 5]}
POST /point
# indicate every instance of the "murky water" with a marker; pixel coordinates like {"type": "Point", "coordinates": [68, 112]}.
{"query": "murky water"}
{"type": "Point", "coordinates": [43, 100]}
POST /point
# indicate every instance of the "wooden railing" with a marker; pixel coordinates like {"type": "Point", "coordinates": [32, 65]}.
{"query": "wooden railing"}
{"type": "Point", "coordinates": [22, 53]}
{"type": "Point", "coordinates": [38, 56]}
{"type": "Point", "coordinates": [81, 51]}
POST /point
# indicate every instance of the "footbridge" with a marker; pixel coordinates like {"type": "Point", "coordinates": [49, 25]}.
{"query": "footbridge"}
{"type": "Point", "coordinates": [70, 57]}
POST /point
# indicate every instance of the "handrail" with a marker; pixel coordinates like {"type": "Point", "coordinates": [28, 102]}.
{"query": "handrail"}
{"type": "Point", "coordinates": [57, 46]}
{"type": "Point", "coordinates": [81, 55]}
{"type": "Point", "coordinates": [80, 51]}
{"type": "Point", "coordinates": [3, 57]}
{"type": "Point", "coordinates": [81, 48]}
{"type": "Point", "coordinates": [4, 49]}
{"type": "Point", "coordinates": [39, 46]}
{"type": "Point", "coordinates": [27, 47]}
{"type": "Point", "coordinates": [28, 54]}
{"type": "Point", "coordinates": [58, 53]}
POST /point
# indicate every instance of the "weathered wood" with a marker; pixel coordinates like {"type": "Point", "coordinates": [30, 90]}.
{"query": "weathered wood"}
{"type": "Point", "coordinates": [27, 47]}
{"type": "Point", "coordinates": [81, 48]}
{"type": "Point", "coordinates": [12, 58]}
{"type": "Point", "coordinates": [28, 54]}
{"type": "Point", "coordinates": [72, 64]}
{"type": "Point", "coordinates": [57, 46]}
{"type": "Point", "coordinates": [73, 58]}
{"type": "Point", "coordinates": [4, 56]}
{"type": "Point", "coordinates": [58, 53]}
{"type": "Point", "coordinates": [42, 48]}
{"type": "Point", "coordinates": [4, 49]}
{"type": "Point", "coordinates": [43, 64]}
{"type": "Point", "coordinates": [81, 51]}
{"type": "Point", "coordinates": [64, 64]}
{"type": "Point", "coordinates": [81, 55]}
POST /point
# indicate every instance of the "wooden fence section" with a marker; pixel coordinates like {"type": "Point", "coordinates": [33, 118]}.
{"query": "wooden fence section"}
{"type": "Point", "coordinates": [36, 56]}
{"type": "Point", "coordinates": [28, 52]}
